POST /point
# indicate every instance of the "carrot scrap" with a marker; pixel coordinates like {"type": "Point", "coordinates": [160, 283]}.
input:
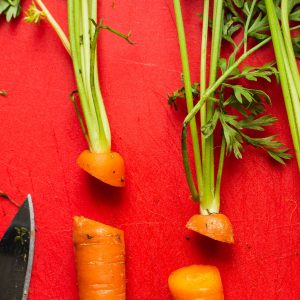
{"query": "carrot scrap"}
{"type": "Point", "coordinates": [215, 226]}
{"type": "Point", "coordinates": [196, 282]}
{"type": "Point", "coordinates": [107, 167]}
{"type": "Point", "coordinates": [100, 260]}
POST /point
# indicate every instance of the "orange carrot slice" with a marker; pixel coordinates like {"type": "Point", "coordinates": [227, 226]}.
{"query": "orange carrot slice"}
{"type": "Point", "coordinates": [100, 260]}
{"type": "Point", "coordinates": [215, 226]}
{"type": "Point", "coordinates": [196, 282]}
{"type": "Point", "coordinates": [107, 167]}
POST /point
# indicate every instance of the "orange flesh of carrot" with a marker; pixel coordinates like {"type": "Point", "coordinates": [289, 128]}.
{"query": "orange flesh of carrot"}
{"type": "Point", "coordinates": [215, 226]}
{"type": "Point", "coordinates": [196, 282]}
{"type": "Point", "coordinates": [100, 260]}
{"type": "Point", "coordinates": [107, 167]}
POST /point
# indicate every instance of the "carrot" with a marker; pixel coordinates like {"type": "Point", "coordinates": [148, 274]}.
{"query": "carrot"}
{"type": "Point", "coordinates": [107, 167]}
{"type": "Point", "coordinates": [215, 226]}
{"type": "Point", "coordinates": [100, 260]}
{"type": "Point", "coordinates": [196, 282]}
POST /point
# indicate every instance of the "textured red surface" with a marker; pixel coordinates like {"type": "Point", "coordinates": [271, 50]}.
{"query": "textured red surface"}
{"type": "Point", "coordinates": [40, 139]}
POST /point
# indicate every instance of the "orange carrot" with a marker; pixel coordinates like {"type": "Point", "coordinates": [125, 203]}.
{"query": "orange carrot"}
{"type": "Point", "coordinates": [196, 282]}
{"type": "Point", "coordinates": [100, 260]}
{"type": "Point", "coordinates": [215, 226]}
{"type": "Point", "coordinates": [107, 167]}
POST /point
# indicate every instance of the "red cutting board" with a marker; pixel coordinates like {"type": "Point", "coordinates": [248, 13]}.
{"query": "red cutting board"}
{"type": "Point", "coordinates": [40, 140]}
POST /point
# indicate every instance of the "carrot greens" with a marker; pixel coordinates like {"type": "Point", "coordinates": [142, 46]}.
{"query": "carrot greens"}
{"type": "Point", "coordinates": [225, 101]}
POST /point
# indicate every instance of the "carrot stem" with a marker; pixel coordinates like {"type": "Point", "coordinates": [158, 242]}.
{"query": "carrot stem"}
{"type": "Point", "coordinates": [186, 164]}
{"type": "Point", "coordinates": [84, 57]}
{"type": "Point", "coordinates": [286, 78]}
{"type": "Point", "coordinates": [55, 26]}
{"type": "Point", "coordinates": [188, 91]}
{"type": "Point", "coordinates": [203, 63]}
{"type": "Point", "coordinates": [217, 197]}
{"type": "Point", "coordinates": [74, 38]}
{"type": "Point", "coordinates": [206, 204]}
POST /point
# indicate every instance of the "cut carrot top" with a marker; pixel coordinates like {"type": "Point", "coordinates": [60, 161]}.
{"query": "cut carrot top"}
{"type": "Point", "coordinates": [223, 102]}
{"type": "Point", "coordinates": [83, 32]}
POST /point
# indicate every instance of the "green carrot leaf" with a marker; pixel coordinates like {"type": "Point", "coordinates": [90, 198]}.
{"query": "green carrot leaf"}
{"type": "Point", "coordinates": [10, 8]}
{"type": "Point", "coordinates": [210, 126]}
{"type": "Point", "coordinates": [33, 14]}
{"type": "Point", "coordinates": [259, 123]}
{"type": "Point", "coordinates": [180, 94]}
{"type": "Point", "coordinates": [239, 3]}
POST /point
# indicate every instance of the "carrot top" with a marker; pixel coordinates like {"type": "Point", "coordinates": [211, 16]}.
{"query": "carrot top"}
{"type": "Point", "coordinates": [224, 101]}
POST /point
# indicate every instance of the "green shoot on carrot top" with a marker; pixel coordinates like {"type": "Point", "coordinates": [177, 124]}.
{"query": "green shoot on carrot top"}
{"type": "Point", "coordinates": [238, 109]}
{"type": "Point", "coordinates": [100, 161]}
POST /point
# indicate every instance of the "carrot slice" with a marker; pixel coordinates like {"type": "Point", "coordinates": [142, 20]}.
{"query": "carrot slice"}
{"type": "Point", "coordinates": [215, 226]}
{"type": "Point", "coordinates": [100, 260]}
{"type": "Point", "coordinates": [196, 282]}
{"type": "Point", "coordinates": [107, 167]}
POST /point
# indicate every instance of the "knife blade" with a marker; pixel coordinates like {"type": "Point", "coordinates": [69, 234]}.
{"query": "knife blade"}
{"type": "Point", "coordinates": [16, 254]}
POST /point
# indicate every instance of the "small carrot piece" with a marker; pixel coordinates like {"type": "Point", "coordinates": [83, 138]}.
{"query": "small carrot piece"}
{"type": "Point", "coordinates": [107, 167]}
{"type": "Point", "coordinates": [196, 282]}
{"type": "Point", "coordinates": [215, 226]}
{"type": "Point", "coordinates": [100, 260]}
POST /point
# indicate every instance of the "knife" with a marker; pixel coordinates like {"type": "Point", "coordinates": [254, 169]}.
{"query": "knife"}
{"type": "Point", "coordinates": [16, 254]}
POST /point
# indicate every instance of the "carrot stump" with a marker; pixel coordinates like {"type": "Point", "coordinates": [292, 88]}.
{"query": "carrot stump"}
{"type": "Point", "coordinates": [107, 167]}
{"type": "Point", "coordinates": [196, 282]}
{"type": "Point", "coordinates": [100, 260]}
{"type": "Point", "coordinates": [214, 226]}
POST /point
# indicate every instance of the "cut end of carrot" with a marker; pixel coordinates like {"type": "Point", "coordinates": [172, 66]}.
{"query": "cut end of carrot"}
{"type": "Point", "coordinates": [201, 282]}
{"type": "Point", "coordinates": [215, 226]}
{"type": "Point", "coordinates": [107, 167]}
{"type": "Point", "coordinates": [84, 229]}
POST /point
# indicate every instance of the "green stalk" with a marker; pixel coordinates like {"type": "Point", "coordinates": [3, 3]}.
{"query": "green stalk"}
{"type": "Point", "coordinates": [247, 25]}
{"type": "Point", "coordinates": [99, 97]}
{"type": "Point", "coordinates": [188, 91]}
{"type": "Point", "coordinates": [217, 198]}
{"type": "Point", "coordinates": [209, 143]}
{"type": "Point", "coordinates": [78, 30]}
{"type": "Point", "coordinates": [186, 164]}
{"type": "Point", "coordinates": [203, 63]}
{"type": "Point", "coordinates": [91, 128]}
{"type": "Point", "coordinates": [104, 144]}
{"type": "Point", "coordinates": [289, 44]}
{"type": "Point", "coordinates": [55, 25]}
{"type": "Point", "coordinates": [287, 84]}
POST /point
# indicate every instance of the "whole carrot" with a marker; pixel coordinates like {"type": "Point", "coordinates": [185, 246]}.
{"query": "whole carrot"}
{"type": "Point", "coordinates": [196, 282]}
{"type": "Point", "coordinates": [100, 260]}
